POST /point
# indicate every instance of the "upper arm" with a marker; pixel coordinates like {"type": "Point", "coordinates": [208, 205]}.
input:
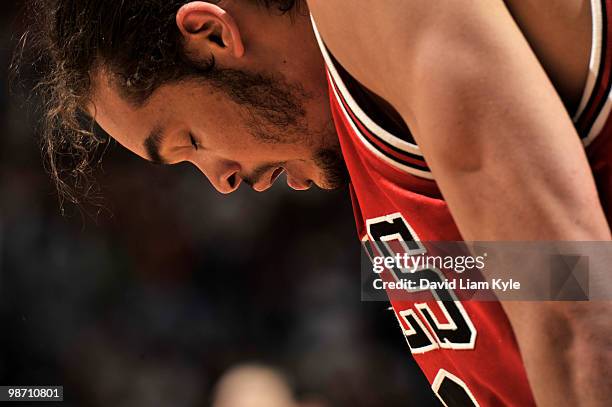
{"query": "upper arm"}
{"type": "Point", "coordinates": [489, 122]}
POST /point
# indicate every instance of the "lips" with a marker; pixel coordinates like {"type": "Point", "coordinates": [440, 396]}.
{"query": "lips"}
{"type": "Point", "coordinates": [298, 185]}
{"type": "Point", "coordinates": [275, 174]}
{"type": "Point", "coordinates": [291, 181]}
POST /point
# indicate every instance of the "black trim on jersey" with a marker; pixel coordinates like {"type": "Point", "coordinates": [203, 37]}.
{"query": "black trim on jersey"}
{"type": "Point", "coordinates": [421, 167]}
{"type": "Point", "coordinates": [391, 146]}
{"type": "Point", "coordinates": [374, 133]}
{"type": "Point", "coordinates": [362, 96]}
{"type": "Point", "coordinates": [602, 64]}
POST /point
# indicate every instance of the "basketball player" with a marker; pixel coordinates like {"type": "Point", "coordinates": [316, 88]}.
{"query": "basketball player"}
{"type": "Point", "coordinates": [463, 119]}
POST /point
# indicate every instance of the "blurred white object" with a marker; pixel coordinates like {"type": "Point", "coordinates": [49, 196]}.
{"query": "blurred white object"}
{"type": "Point", "coordinates": [253, 386]}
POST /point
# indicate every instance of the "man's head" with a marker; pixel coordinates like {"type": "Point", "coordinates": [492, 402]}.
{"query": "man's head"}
{"type": "Point", "coordinates": [236, 87]}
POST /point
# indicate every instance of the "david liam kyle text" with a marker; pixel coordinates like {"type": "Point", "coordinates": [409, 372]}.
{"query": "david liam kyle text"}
{"type": "Point", "coordinates": [496, 284]}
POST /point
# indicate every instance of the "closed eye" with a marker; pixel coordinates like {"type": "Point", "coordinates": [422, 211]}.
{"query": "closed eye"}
{"type": "Point", "coordinates": [193, 141]}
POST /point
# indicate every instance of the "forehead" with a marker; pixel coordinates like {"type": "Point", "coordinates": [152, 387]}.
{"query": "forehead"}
{"type": "Point", "coordinates": [173, 110]}
{"type": "Point", "coordinates": [126, 122]}
{"type": "Point", "coordinates": [168, 116]}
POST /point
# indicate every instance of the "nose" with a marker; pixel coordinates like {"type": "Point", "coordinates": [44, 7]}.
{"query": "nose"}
{"type": "Point", "coordinates": [227, 182]}
{"type": "Point", "coordinates": [222, 175]}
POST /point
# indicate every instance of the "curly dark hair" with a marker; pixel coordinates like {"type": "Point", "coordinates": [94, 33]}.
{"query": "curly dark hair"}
{"type": "Point", "coordinates": [136, 40]}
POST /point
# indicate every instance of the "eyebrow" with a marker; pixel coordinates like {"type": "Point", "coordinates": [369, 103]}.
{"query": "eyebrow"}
{"type": "Point", "coordinates": [153, 143]}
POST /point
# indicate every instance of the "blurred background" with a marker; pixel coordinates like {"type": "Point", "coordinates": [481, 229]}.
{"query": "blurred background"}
{"type": "Point", "coordinates": [174, 295]}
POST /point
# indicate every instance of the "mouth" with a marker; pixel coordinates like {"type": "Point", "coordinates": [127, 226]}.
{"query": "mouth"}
{"type": "Point", "coordinates": [292, 182]}
{"type": "Point", "coordinates": [276, 174]}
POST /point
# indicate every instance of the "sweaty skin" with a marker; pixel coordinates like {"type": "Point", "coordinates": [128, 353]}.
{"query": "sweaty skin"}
{"type": "Point", "coordinates": [494, 114]}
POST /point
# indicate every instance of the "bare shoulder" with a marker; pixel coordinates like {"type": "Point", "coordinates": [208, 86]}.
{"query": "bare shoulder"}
{"type": "Point", "coordinates": [375, 40]}
{"type": "Point", "coordinates": [356, 31]}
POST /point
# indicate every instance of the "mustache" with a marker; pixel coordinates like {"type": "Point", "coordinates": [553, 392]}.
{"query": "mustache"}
{"type": "Point", "coordinates": [328, 160]}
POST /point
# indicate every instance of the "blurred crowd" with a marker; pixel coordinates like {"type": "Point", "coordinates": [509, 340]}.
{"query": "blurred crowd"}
{"type": "Point", "coordinates": [171, 294]}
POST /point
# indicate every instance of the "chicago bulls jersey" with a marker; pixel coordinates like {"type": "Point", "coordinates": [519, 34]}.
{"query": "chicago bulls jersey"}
{"type": "Point", "coordinates": [467, 350]}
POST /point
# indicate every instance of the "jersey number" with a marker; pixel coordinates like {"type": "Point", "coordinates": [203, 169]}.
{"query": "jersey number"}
{"type": "Point", "coordinates": [452, 391]}
{"type": "Point", "coordinates": [457, 332]}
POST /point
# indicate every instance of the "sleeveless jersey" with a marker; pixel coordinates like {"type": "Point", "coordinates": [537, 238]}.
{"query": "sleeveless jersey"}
{"type": "Point", "coordinates": [467, 350]}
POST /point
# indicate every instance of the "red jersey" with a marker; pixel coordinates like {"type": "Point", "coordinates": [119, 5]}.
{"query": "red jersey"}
{"type": "Point", "coordinates": [467, 350]}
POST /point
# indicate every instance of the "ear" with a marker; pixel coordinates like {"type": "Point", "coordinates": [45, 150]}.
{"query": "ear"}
{"type": "Point", "coordinates": [208, 26]}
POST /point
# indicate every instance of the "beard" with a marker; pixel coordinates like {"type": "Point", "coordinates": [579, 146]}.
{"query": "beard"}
{"type": "Point", "coordinates": [274, 112]}
{"type": "Point", "coordinates": [332, 166]}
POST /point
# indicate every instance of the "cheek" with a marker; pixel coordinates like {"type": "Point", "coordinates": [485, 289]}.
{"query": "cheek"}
{"type": "Point", "coordinates": [260, 154]}
{"type": "Point", "coordinates": [226, 134]}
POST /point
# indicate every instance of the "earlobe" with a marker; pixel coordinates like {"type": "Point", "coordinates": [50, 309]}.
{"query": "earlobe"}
{"type": "Point", "coordinates": [200, 20]}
